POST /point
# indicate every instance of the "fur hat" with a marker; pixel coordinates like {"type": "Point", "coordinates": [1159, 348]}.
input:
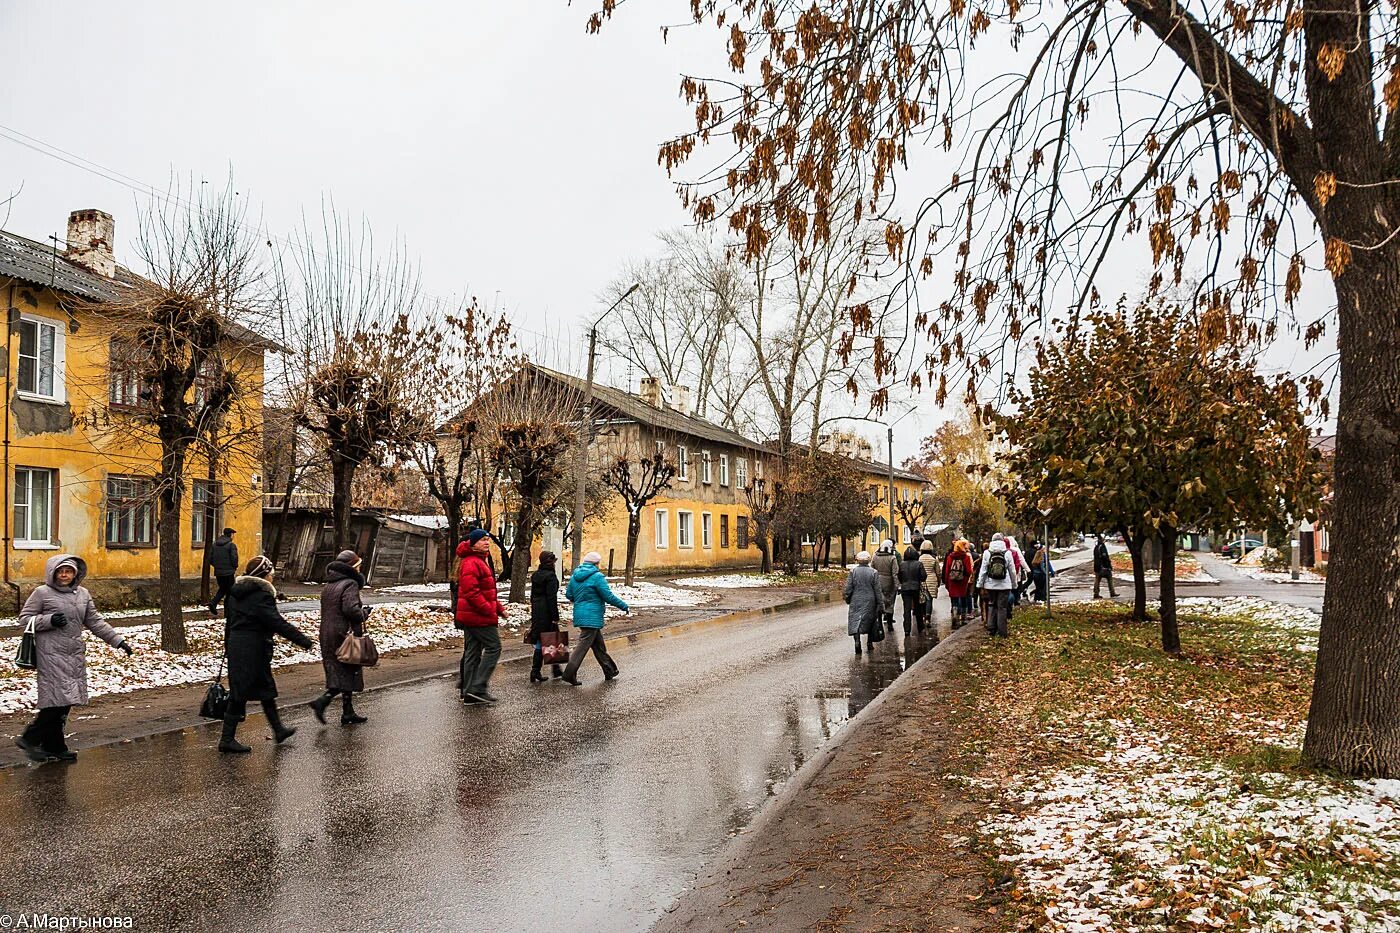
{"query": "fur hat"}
{"type": "Point", "coordinates": [863, 557]}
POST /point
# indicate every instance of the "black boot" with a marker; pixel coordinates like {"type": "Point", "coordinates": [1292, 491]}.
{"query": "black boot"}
{"type": "Point", "coordinates": [318, 705]}
{"type": "Point", "coordinates": [227, 742]}
{"type": "Point", "coordinates": [348, 716]}
{"type": "Point", "coordinates": [857, 646]}
{"type": "Point", "coordinates": [557, 671]}
{"type": "Point", "coordinates": [274, 719]}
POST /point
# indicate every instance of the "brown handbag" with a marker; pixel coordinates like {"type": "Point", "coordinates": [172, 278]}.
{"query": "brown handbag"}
{"type": "Point", "coordinates": [554, 647]}
{"type": "Point", "coordinates": [357, 651]}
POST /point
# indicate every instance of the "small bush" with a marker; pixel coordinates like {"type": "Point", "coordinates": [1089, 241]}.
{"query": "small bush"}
{"type": "Point", "coordinates": [1276, 559]}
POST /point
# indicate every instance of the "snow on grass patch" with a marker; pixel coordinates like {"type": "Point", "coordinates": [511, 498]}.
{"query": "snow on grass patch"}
{"type": "Point", "coordinates": [414, 589]}
{"type": "Point", "coordinates": [1305, 575]}
{"type": "Point", "coordinates": [1140, 839]}
{"type": "Point", "coordinates": [395, 627]}
{"type": "Point", "coordinates": [1275, 624]}
{"type": "Point", "coordinates": [645, 595]}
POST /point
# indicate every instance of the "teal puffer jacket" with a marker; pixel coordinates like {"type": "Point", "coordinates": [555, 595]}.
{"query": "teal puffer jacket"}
{"type": "Point", "coordinates": [589, 591]}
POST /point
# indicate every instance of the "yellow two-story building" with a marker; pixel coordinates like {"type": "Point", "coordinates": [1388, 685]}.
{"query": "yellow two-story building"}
{"type": "Point", "coordinates": [79, 465]}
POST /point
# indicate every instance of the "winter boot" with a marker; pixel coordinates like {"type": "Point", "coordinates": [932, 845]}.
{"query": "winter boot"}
{"type": "Point", "coordinates": [557, 670]}
{"type": "Point", "coordinates": [536, 677]}
{"type": "Point", "coordinates": [858, 652]}
{"type": "Point", "coordinates": [227, 742]}
{"type": "Point", "coordinates": [348, 716]}
{"type": "Point", "coordinates": [318, 705]}
{"type": "Point", "coordinates": [280, 732]}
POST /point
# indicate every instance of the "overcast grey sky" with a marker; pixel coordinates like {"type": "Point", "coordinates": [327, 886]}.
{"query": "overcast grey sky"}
{"type": "Point", "coordinates": [514, 154]}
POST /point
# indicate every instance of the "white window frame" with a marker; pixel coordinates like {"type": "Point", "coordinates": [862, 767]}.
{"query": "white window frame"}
{"type": "Point", "coordinates": [707, 530]}
{"type": "Point", "coordinates": [706, 467]}
{"type": "Point", "coordinates": [197, 507]}
{"type": "Point", "coordinates": [23, 541]}
{"type": "Point", "coordinates": [758, 468]}
{"type": "Point", "coordinates": [905, 537]}
{"type": "Point", "coordinates": [724, 469]}
{"type": "Point", "coordinates": [661, 529]}
{"type": "Point", "coordinates": [741, 472]}
{"type": "Point", "coordinates": [682, 463]}
{"type": "Point", "coordinates": [60, 393]}
{"type": "Point", "coordinates": [684, 540]}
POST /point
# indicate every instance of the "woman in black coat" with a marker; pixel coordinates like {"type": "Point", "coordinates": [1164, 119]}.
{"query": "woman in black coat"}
{"type": "Point", "coordinates": [911, 576]}
{"type": "Point", "coordinates": [251, 619]}
{"type": "Point", "coordinates": [544, 612]}
{"type": "Point", "coordinates": [341, 613]}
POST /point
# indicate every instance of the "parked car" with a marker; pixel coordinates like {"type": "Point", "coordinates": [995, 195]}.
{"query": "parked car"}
{"type": "Point", "coordinates": [1240, 547]}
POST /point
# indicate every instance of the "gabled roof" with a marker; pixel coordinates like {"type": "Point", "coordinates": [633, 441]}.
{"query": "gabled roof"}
{"type": "Point", "coordinates": [665, 419]}
{"type": "Point", "coordinates": [30, 261]}
{"type": "Point", "coordinates": [876, 468]}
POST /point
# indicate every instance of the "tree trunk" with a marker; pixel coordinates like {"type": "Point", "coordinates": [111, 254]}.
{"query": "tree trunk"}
{"type": "Point", "coordinates": [285, 511]}
{"type": "Point", "coordinates": [172, 617]}
{"type": "Point", "coordinates": [520, 550]}
{"type": "Point", "coordinates": [211, 506]}
{"type": "Point", "coordinates": [843, 553]}
{"type": "Point", "coordinates": [1354, 722]}
{"type": "Point", "coordinates": [342, 478]}
{"type": "Point", "coordinates": [634, 533]}
{"type": "Point", "coordinates": [1171, 636]}
{"type": "Point", "coordinates": [1134, 543]}
{"type": "Point", "coordinates": [765, 563]}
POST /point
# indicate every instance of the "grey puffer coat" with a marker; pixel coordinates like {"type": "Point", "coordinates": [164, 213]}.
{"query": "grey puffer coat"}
{"type": "Point", "coordinates": [341, 613]}
{"type": "Point", "coordinates": [863, 596]}
{"type": "Point", "coordinates": [60, 649]}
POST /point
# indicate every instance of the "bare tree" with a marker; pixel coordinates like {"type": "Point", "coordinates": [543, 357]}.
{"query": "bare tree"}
{"type": "Point", "coordinates": [183, 360]}
{"type": "Point", "coordinates": [637, 478]}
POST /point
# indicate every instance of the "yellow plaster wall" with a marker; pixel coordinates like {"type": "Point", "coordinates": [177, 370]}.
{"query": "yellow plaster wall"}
{"type": "Point", "coordinates": [96, 446]}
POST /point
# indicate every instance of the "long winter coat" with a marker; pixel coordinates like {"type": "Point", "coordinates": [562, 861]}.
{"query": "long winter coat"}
{"type": "Point", "coordinates": [60, 650]}
{"type": "Point", "coordinates": [886, 565]}
{"type": "Point", "coordinates": [588, 590]}
{"type": "Point", "coordinates": [478, 606]}
{"type": "Point", "coordinates": [252, 620]}
{"type": "Point", "coordinates": [864, 597]}
{"type": "Point", "coordinates": [930, 562]}
{"type": "Point", "coordinates": [341, 613]}
{"type": "Point", "coordinates": [223, 557]}
{"type": "Point", "coordinates": [544, 603]}
{"type": "Point", "coordinates": [911, 573]}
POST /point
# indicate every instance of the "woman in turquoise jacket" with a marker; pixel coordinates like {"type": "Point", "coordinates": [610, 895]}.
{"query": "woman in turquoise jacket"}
{"type": "Point", "coordinates": [590, 594]}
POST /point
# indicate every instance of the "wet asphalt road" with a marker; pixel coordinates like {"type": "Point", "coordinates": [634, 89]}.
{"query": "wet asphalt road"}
{"type": "Point", "coordinates": [561, 808]}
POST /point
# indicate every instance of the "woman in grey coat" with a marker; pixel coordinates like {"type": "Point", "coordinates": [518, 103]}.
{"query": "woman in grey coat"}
{"type": "Point", "coordinates": [886, 564]}
{"type": "Point", "coordinates": [341, 613]}
{"type": "Point", "coordinates": [60, 610]}
{"type": "Point", "coordinates": [863, 595]}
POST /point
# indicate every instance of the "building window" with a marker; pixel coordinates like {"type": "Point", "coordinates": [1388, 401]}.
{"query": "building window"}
{"type": "Point", "coordinates": [707, 530]}
{"type": "Point", "coordinates": [40, 358]}
{"type": "Point", "coordinates": [34, 507]}
{"type": "Point", "coordinates": [724, 469]}
{"type": "Point", "coordinates": [706, 468]}
{"type": "Point", "coordinates": [685, 529]}
{"type": "Point", "coordinates": [741, 529]}
{"type": "Point", "coordinates": [758, 469]}
{"type": "Point", "coordinates": [905, 537]}
{"type": "Point", "coordinates": [874, 492]}
{"type": "Point", "coordinates": [741, 472]}
{"type": "Point", "coordinates": [724, 531]}
{"type": "Point", "coordinates": [130, 511]}
{"type": "Point", "coordinates": [205, 495]}
{"type": "Point", "coordinates": [663, 530]}
{"type": "Point", "coordinates": [125, 383]}
{"type": "Point", "coordinates": [682, 463]}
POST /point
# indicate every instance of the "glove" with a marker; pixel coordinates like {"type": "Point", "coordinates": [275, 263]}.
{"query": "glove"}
{"type": "Point", "coordinates": [58, 620]}
{"type": "Point", "coordinates": [125, 647]}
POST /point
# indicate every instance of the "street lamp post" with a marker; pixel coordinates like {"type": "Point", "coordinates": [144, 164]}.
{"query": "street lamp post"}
{"type": "Point", "coordinates": [1045, 514]}
{"type": "Point", "coordinates": [586, 432]}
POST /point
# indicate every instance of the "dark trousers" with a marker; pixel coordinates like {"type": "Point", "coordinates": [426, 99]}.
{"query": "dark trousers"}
{"type": "Point", "coordinates": [238, 709]}
{"type": "Point", "coordinates": [590, 639]}
{"type": "Point", "coordinates": [46, 731]}
{"type": "Point", "coordinates": [225, 582]}
{"type": "Point", "coordinates": [999, 611]}
{"type": "Point", "coordinates": [479, 656]}
{"type": "Point", "coordinates": [1042, 586]}
{"type": "Point", "coordinates": [1112, 593]}
{"type": "Point", "coordinates": [915, 608]}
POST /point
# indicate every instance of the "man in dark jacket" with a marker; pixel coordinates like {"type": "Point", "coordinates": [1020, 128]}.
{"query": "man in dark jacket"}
{"type": "Point", "coordinates": [1103, 568]}
{"type": "Point", "coordinates": [223, 563]}
{"type": "Point", "coordinates": [477, 613]}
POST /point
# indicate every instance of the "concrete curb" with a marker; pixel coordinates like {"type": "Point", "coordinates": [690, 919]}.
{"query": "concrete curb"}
{"type": "Point", "coordinates": [736, 850]}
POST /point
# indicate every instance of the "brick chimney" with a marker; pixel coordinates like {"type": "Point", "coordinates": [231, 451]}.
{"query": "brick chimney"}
{"type": "Point", "coordinates": [680, 399]}
{"type": "Point", "coordinates": [90, 235]}
{"type": "Point", "coordinates": [650, 391]}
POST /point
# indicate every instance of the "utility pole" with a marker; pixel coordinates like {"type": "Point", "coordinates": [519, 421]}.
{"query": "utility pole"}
{"type": "Point", "coordinates": [586, 434]}
{"type": "Point", "coordinates": [890, 451]}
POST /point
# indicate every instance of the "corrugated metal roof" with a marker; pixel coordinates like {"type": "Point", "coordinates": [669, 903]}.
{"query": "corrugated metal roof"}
{"type": "Point", "coordinates": [30, 261]}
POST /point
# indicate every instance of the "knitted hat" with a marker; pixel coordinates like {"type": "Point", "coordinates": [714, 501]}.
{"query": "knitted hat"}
{"type": "Point", "coordinates": [593, 557]}
{"type": "Point", "coordinates": [259, 566]}
{"type": "Point", "coordinates": [863, 557]}
{"type": "Point", "coordinates": [348, 557]}
{"type": "Point", "coordinates": [477, 534]}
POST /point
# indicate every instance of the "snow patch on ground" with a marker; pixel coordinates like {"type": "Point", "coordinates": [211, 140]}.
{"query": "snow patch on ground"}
{"type": "Point", "coordinates": [1305, 575]}
{"type": "Point", "coordinates": [395, 627]}
{"type": "Point", "coordinates": [738, 581]}
{"type": "Point", "coordinates": [1140, 838]}
{"type": "Point", "coordinates": [645, 595]}
{"type": "Point", "coordinates": [414, 589]}
{"type": "Point", "coordinates": [1288, 626]}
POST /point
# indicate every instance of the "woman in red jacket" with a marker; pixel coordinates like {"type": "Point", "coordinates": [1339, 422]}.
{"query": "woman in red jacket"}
{"type": "Point", "coordinates": [477, 614]}
{"type": "Point", "coordinates": [958, 578]}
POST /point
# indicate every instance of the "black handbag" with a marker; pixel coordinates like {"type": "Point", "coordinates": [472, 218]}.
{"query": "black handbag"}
{"type": "Point", "coordinates": [216, 697]}
{"type": "Point", "coordinates": [877, 631]}
{"type": "Point", "coordinates": [27, 656]}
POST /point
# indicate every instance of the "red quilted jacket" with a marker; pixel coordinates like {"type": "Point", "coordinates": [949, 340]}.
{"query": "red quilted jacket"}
{"type": "Point", "coordinates": [477, 605]}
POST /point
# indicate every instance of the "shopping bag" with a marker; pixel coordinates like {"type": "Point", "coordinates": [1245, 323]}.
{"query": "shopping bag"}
{"type": "Point", "coordinates": [27, 656]}
{"type": "Point", "coordinates": [554, 647]}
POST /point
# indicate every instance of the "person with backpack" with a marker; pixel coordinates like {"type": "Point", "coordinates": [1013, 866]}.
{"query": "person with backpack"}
{"type": "Point", "coordinates": [912, 578]}
{"type": "Point", "coordinates": [1103, 569]}
{"type": "Point", "coordinates": [958, 577]}
{"type": "Point", "coordinates": [998, 580]}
